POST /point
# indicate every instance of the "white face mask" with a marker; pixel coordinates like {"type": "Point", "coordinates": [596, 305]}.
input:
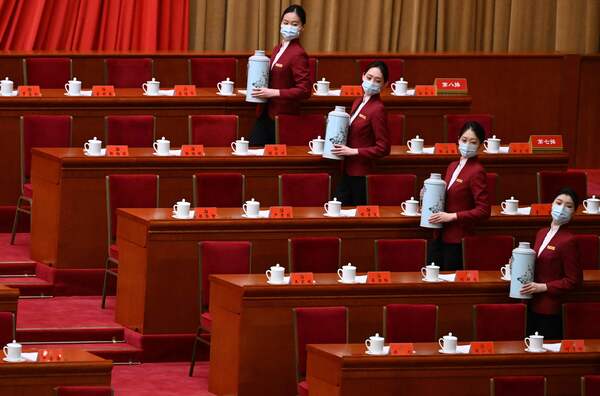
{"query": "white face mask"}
{"type": "Point", "coordinates": [370, 88]}
{"type": "Point", "coordinates": [467, 150]}
{"type": "Point", "coordinates": [289, 32]}
{"type": "Point", "coordinates": [561, 214]}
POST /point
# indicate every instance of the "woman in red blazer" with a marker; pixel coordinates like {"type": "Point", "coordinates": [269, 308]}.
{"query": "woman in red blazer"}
{"type": "Point", "coordinates": [557, 269]}
{"type": "Point", "coordinates": [289, 78]}
{"type": "Point", "coordinates": [467, 200]}
{"type": "Point", "coordinates": [368, 137]}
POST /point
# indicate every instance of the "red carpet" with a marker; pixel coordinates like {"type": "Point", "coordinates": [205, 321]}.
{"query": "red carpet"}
{"type": "Point", "coordinates": [19, 252]}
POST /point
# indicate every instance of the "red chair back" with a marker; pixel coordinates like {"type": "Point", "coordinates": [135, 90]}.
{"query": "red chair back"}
{"type": "Point", "coordinates": [222, 257]}
{"type": "Point", "coordinates": [304, 189]}
{"type": "Point", "coordinates": [130, 130]}
{"type": "Point", "coordinates": [492, 187]}
{"type": "Point", "coordinates": [213, 130]}
{"type": "Point", "coordinates": [298, 130]}
{"type": "Point", "coordinates": [588, 246]}
{"type": "Point", "coordinates": [129, 191]}
{"type": "Point", "coordinates": [313, 69]}
{"type": "Point", "coordinates": [410, 322]}
{"type": "Point", "coordinates": [84, 391]}
{"type": "Point", "coordinates": [43, 131]}
{"type": "Point", "coordinates": [7, 327]}
{"type": "Point", "coordinates": [225, 190]}
{"type": "Point", "coordinates": [396, 126]}
{"type": "Point", "coordinates": [318, 325]}
{"type": "Point", "coordinates": [390, 189]}
{"type": "Point", "coordinates": [400, 255]}
{"type": "Point", "coordinates": [499, 322]}
{"type": "Point", "coordinates": [487, 252]}
{"type": "Point", "coordinates": [453, 123]}
{"type": "Point", "coordinates": [518, 386]}
{"type": "Point", "coordinates": [128, 72]}
{"type": "Point", "coordinates": [207, 72]}
{"type": "Point", "coordinates": [314, 254]}
{"type": "Point", "coordinates": [551, 182]}
{"type": "Point", "coordinates": [47, 72]}
{"type": "Point", "coordinates": [580, 320]}
{"type": "Point", "coordinates": [590, 385]}
{"type": "Point", "coordinates": [395, 67]}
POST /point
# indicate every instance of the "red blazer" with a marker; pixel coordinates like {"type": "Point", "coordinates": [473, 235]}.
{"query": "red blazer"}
{"type": "Point", "coordinates": [369, 134]}
{"type": "Point", "coordinates": [468, 198]}
{"type": "Point", "coordinates": [558, 267]}
{"type": "Point", "coordinates": [291, 76]}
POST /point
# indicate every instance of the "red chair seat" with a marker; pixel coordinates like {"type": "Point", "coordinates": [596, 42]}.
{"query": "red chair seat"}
{"type": "Point", "coordinates": [206, 321]}
{"type": "Point", "coordinates": [114, 251]}
{"type": "Point", "coordinates": [591, 385]}
{"type": "Point", "coordinates": [303, 388]}
{"type": "Point", "coordinates": [28, 190]}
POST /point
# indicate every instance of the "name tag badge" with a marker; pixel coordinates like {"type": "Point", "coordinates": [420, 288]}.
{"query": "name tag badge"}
{"type": "Point", "coordinates": [550, 247]}
{"type": "Point", "coordinates": [364, 117]}
{"type": "Point", "coordinates": [459, 180]}
{"type": "Point", "coordinates": [278, 65]}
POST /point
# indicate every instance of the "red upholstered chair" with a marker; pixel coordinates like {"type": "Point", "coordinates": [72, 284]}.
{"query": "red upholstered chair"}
{"type": "Point", "coordinates": [298, 130]}
{"type": "Point", "coordinates": [217, 257]}
{"type": "Point", "coordinates": [588, 246]}
{"type": "Point", "coordinates": [130, 130]}
{"type": "Point", "coordinates": [395, 67]}
{"type": "Point", "coordinates": [7, 327]}
{"type": "Point", "coordinates": [207, 72]}
{"type": "Point", "coordinates": [590, 385]}
{"type": "Point", "coordinates": [124, 191]}
{"type": "Point", "coordinates": [213, 130]}
{"type": "Point", "coordinates": [400, 255]}
{"type": "Point", "coordinates": [454, 122]}
{"type": "Point", "coordinates": [396, 127]}
{"type": "Point", "coordinates": [224, 190]}
{"type": "Point", "coordinates": [316, 325]}
{"type": "Point", "coordinates": [580, 320]}
{"type": "Point", "coordinates": [47, 72]}
{"type": "Point", "coordinates": [390, 189]}
{"type": "Point", "coordinates": [128, 72]}
{"type": "Point", "coordinates": [492, 187]}
{"type": "Point", "coordinates": [487, 252]}
{"type": "Point", "coordinates": [313, 69]}
{"type": "Point", "coordinates": [518, 386]}
{"type": "Point", "coordinates": [314, 254]}
{"type": "Point", "coordinates": [499, 322]}
{"type": "Point", "coordinates": [37, 131]}
{"type": "Point", "coordinates": [410, 322]}
{"type": "Point", "coordinates": [83, 391]}
{"type": "Point", "coordinates": [304, 189]}
{"type": "Point", "coordinates": [549, 183]}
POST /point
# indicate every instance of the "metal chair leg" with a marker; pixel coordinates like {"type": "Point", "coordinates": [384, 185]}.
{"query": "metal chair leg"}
{"type": "Point", "coordinates": [105, 284]}
{"type": "Point", "coordinates": [15, 223]}
{"type": "Point", "coordinates": [194, 350]}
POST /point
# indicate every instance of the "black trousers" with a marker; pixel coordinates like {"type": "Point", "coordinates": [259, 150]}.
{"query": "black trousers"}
{"type": "Point", "coordinates": [263, 131]}
{"type": "Point", "coordinates": [448, 256]}
{"type": "Point", "coordinates": [550, 326]}
{"type": "Point", "coordinates": [352, 190]}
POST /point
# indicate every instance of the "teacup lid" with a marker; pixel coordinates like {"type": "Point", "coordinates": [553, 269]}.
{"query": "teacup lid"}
{"type": "Point", "coordinates": [251, 200]}
{"type": "Point", "coordinates": [242, 139]}
{"type": "Point", "coordinates": [376, 337]}
{"type": "Point", "coordinates": [536, 335]}
{"type": "Point", "coordinates": [95, 139]}
{"type": "Point", "coordinates": [349, 265]}
{"type": "Point", "coordinates": [319, 139]}
{"type": "Point", "coordinates": [153, 80]}
{"type": "Point", "coordinates": [412, 200]}
{"type": "Point", "coordinates": [512, 199]}
{"type": "Point", "coordinates": [593, 198]}
{"type": "Point", "coordinates": [450, 336]}
{"type": "Point", "coordinates": [432, 265]}
{"type": "Point", "coordinates": [334, 200]}
{"type": "Point", "coordinates": [493, 138]}
{"type": "Point", "coordinates": [227, 81]}
{"type": "Point", "coordinates": [14, 343]}
{"type": "Point", "coordinates": [417, 138]}
{"type": "Point", "coordinates": [323, 80]}
{"type": "Point", "coordinates": [74, 79]}
{"type": "Point", "coordinates": [277, 267]}
{"type": "Point", "coordinates": [182, 201]}
{"type": "Point", "coordinates": [7, 79]}
{"type": "Point", "coordinates": [162, 139]}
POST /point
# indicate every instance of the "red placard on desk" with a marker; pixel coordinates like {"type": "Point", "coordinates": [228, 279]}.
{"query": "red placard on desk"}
{"type": "Point", "coordinates": [192, 150]}
{"type": "Point", "coordinates": [402, 349]}
{"type": "Point", "coordinates": [367, 211]}
{"type": "Point", "coordinates": [103, 90]}
{"type": "Point", "coordinates": [29, 90]}
{"type": "Point", "coordinates": [519, 148]}
{"type": "Point", "coordinates": [451, 86]}
{"type": "Point", "coordinates": [546, 143]}
{"type": "Point", "coordinates": [302, 278]}
{"type": "Point", "coordinates": [425, 90]}
{"type": "Point", "coordinates": [281, 212]}
{"type": "Point", "coordinates": [445, 148]}
{"type": "Point", "coordinates": [351, 90]}
{"type": "Point", "coordinates": [467, 276]}
{"type": "Point", "coordinates": [275, 150]}
{"type": "Point", "coordinates": [572, 346]}
{"type": "Point", "coordinates": [481, 348]}
{"type": "Point", "coordinates": [117, 151]}
{"type": "Point", "coordinates": [540, 209]}
{"type": "Point", "coordinates": [379, 277]}
{"type": "Point", "coordinates": [205, 213]}
{"type": "Point", "coordinates": [185, 90]}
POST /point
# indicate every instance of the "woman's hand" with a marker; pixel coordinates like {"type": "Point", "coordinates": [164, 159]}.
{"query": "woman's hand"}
{"type": "Point", "coordinates": [533, 288]}
{"type": "Point", "coordinates": [343, 150]}
{"type": "Point", "coordinates": [265, 93]}
{"type": "Point", "coordinates": [442, 217]}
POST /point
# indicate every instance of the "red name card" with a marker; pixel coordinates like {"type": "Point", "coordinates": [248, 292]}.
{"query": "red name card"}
{"type": "Point", "coordinates": [205, 213]}
{"type": "Point", "coordinates": [519, 148]}
{"type": "Point", "coordinates": [275, 150]}
{"type": "Point", "coordinates": [467, 276]}
{"type": "Point", "coordinates": [367, 211]}
{"type": "Point", "coordinates": [103, 90]}
{"type": "Point", "coordinates": [451, 86]}
{"type": "Point", "coordinates": [546, 142]}
{"type": "Point", "coordinates": [281, 212]}
{"type": "Point", "coordinates": [29, 90]}
{"type": "Point", "coordinates": [572, 346]}
{"type": "Point", "coordinates": [302, 278]}
{"type": "Point", "coordinates": [482, 348]}
{"type": "Point", "coordinates": [45, 355]}
{"type": "Point", "coordinates": [192, 150]}
{"type": "Point", "coordinates": [185, 90]}
{"type": "Point", "coordinates": [445, 148]}
{"type": "Point", "coordinates": [117, 151]}
{"type": "Point", "coordinates": [425, 90]}
{"type": "Point", "coordinates": [402, 349]}
{"type": "Point", "coordinates": [540, 209]}
{"type": "Point", "coordinates": [351, 90]}
{"type": "Point", "coordinates": [379, 277]}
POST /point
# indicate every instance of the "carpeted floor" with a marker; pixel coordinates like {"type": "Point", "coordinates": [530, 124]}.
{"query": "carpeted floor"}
{"type": "Point", "coordinates": [65, 312]}
{"type": "Point", "coordinates": [17, 252]}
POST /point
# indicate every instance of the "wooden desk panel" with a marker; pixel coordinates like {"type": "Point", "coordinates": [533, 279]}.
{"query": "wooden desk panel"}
{"type": "Point", "coordinates": [78, 367]}
{"type": "Point", "coordinates": [252, 320]}
{"type": "Point", "coordinates": [9, 298]}
{"type": "Point", "coordinates": [345, 370]}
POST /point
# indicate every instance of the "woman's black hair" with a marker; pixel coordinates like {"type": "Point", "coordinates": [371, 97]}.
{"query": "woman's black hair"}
{"type": "Point", "coordinates": [571, 193]}
{"type": "Point", "coordinates": [298, 10]}
{"type": "Point", "coordinates": [381, 66]}
{"type": "Point", "coordinates": [476, 128]}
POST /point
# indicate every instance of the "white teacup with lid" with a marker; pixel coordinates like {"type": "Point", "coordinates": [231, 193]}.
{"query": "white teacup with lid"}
{"type": "Point", "coordinates": [448, 343]}
{"type": "Point", "coordinates": [12, 352]}
{"type": "Point", "coordinates": [161, 146]}
{"type": "Point", "coordinates": [410, 207]}
{"type": "Point", "coordinates": [534, 343]}
{"type": "Point", "coordinates": [251, 208]}
{"type": "Point", "coordinates": [415, 145]}
{"type": "Point", "coordinates": [275, 275]}
{"type": "Point", "coordinates": [151, 88]}
{"type": "Point", "coordinates": [93, 147]}
{"type": "Point", "coordinates": [333, 208]}
{"type": "Point", "coordinates": [321, 87]}
{"type": "Point", "coordinates": [374, 345]}
{"type": "Point", "coordinates": [181, 209]}
{"type": "Point", "coordinates": [317, 146]}
{"type": "Point", "coordinates": [510, 206]}
{"type": "Point", "coordinates": [73, 87]}
{"type": "Point", "coordinates": [592, 205]}
{"type": "Point", "coordinates": [225, 87]}
{"type": "Point", "coordinates": [347, 273]}
{"type": "Point", "coordinates": [431, 273]}
{"type": "Point", "coordinates": [6, 87]}
{"type": "Point", "coordinates": [399, 87]}
{"type": "Point", "coordinates": [240, 147]}
{"type": "Point", "coordinates": [492, 145]}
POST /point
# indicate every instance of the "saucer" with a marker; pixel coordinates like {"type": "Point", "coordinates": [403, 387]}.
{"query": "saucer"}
{"type": "Point", "coordinates": [588, 213]}
{"type": "Point", "coordinates": [395, 94]}
{"type": "Point", "coordinates": [432, 281]}
{"type": "Point", "coordinates": [490, 152]}
{"type": "Point", "coordinates": [330, 215]}
{"type": "Point", "coordinates": [509, 214]}
{"type": "Point", "coordinates": [189, 216]}
{"type": "Point", "coordinates": [411, 215]}
{"type": "Point", "coordinates": [535, 351]}
{"type": "Point", "coordinates": [382, 353]}
{"type": "Point", "coordinates": [275, 284]}
{"type": "Point", "coordinates": [320, 94]}
{"type": "Point", "coordinates": [239, 154]}
{"type": "Point", "coordinates": [162, 155]}
{"type": "Point", "coordinates": [412, 152]}
{"type": "Point", "coordinates": [66, 94]}
{"type": "Point", "coordinates": [147, 94]}
{"type": "Point", "coordinates": [312, 153]}
{"type": "Point", "coordinates": [245, 216]}
{"type": "Point", "coordinates": [347, 283]}
{"type": "Point", "coordinates": [505, 279]}
{"type": "Point", "coordinates": [224, 94]}
{"type": "Point", "coordinates": [102, 154]}
{"type": "Point", "coordinates": [448, 353]}
{"type": "Point", "coordinates": [19, 360]}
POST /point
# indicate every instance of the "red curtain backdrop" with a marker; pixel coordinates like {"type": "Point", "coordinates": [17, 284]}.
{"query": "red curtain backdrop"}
{"type": "Point", "coordinates": [83, 25]}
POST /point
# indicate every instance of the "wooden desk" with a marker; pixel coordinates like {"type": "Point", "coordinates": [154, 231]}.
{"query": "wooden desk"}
{"type": "Point", "coordinates": [345, 370]}
{"type": "Point", "coordinates": [78, 367]}
{"type": "Point", "coordinates": [8, 299]}
{"type": "Point", "coordinates": [70, 199]}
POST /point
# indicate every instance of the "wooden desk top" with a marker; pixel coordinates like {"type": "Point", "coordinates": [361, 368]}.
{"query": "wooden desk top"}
{"type": "Point", "coordinates": [70, 358]}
